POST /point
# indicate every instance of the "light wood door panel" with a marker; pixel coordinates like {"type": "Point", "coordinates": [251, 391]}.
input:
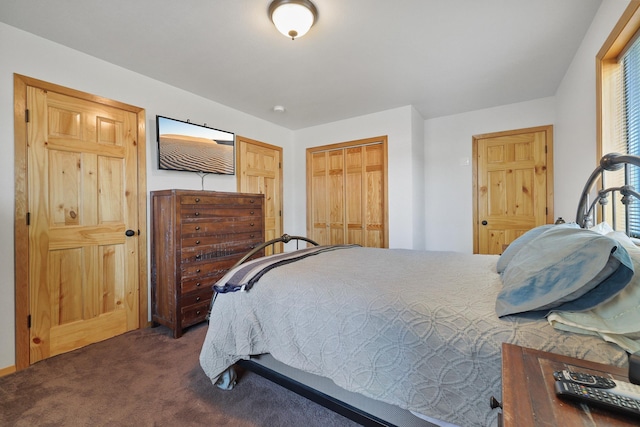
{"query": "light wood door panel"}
{"type": "Point", "coordinates": [318, 171]}
{"type": "Point", "coordinates": [375, 172]}
{"type": "Point", "coordinates": [83, 269]}
{"type": "Point", "coordinates": [356, 187]}
{"type": "Point", "coordinates": [346, 193]}
{"type": "Point", "coordinates": [260, 172]}
{"type": "Point", "coordinates": [336, 196]}
{"type": "Point", "coordinates": [513, 186]}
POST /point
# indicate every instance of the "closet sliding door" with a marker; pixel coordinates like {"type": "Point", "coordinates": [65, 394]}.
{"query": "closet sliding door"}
{"type": "Point", "coordinates": [347, 193]}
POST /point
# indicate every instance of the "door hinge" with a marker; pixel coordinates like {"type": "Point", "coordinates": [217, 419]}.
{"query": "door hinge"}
{"type": "Point", "coordinates": [26, 115]}
{"type": "Point", "coordinates": [545, 149]}
{"type": "Point", "coordinates": [546, 211]}
{"type": "Point", "coordinates": [29, 321]}
{"type": "Point", "coordinates": [279, 165]}
{"type": "Point", "coordinates": [280, 213]}
{"type": "Point", "coordinates": [28, 218]}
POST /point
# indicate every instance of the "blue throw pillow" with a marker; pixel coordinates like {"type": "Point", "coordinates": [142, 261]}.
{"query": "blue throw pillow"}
{"type": "Point", "coordinates": [564, 268]}
{"type": "Point", "coordinates": [515, 246]}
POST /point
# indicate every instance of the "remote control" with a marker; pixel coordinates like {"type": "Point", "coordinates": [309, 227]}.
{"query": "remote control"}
{"type": "Point", "coordinates": [618, 387]}
{"type": "Point", "coordinates": [597, 397]}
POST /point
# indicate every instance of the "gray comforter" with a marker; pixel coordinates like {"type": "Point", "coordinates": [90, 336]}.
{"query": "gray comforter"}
{"type": "Point", "coordinates": [411, 328]}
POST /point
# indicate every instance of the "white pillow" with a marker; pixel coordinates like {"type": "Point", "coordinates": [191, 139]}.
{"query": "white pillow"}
{"type": "Point", "coordinates": [602, 228]}
{"type": "Point", "coordinates": [617, 320]}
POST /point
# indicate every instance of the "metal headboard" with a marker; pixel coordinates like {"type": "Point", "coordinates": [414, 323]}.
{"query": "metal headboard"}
{"type": "Point", "coordinates": [585, 217]}
{"type": "Point", "coordinates": [285, 238]}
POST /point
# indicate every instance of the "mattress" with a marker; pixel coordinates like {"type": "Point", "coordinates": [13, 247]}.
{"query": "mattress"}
{"type": "Point", "coordinates": [414, 329]}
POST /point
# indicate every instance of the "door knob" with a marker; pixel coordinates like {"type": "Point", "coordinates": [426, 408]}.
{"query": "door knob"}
{"type": "Point", "coordinates": [494, 403]}
{"type": "Point", "coordinates": [130, 233]}
{"type": "Point", "coordinates": [484, 222]}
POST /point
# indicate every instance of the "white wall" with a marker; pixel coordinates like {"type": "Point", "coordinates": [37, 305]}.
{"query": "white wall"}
{"type": "Point", "coordinates": [575, 153]}
{"type": "Point", "coordinates": [448, 140]}
{"type": "Point", "coordinates": [418, 168]}
{"type": "Point", "coordinates": [26, 54]}
{"type": "Point", "coordinates": [448, 213]}
{"type": "Point", "coordinates": [397, 125]}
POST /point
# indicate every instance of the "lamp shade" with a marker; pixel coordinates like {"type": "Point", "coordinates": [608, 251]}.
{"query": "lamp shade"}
{"type": "Point", "coordinates": [293, 18]}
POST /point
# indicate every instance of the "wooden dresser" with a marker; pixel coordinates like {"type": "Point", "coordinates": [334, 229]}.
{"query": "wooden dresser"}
{"type": "Point", "coordinates": [196, 236]}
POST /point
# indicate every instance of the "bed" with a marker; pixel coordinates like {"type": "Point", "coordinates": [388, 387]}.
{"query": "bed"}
{"type": "Point", "coordinates": [413, 338]}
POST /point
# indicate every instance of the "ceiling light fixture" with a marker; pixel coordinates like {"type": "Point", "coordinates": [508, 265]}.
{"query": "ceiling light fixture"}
{"type": "Point", "coordinates": [293, 18]}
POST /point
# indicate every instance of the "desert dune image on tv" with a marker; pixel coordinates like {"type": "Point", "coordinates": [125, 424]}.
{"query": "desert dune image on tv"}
{"type": "Point", "coordinates": [187, 147]}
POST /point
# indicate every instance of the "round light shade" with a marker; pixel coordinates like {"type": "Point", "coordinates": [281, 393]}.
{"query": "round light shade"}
{"type": "Point", "coordinates": [293, 18]}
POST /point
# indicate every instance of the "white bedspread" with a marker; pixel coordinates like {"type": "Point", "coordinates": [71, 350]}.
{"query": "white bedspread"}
{"type": "Point", "coordinates": [411, 328]}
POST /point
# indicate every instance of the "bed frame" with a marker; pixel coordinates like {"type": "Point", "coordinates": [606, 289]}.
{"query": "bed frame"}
{"type": "Point", "coordinates": [285, 238]}
{"type": "Point", "coordinates": [586, 214]}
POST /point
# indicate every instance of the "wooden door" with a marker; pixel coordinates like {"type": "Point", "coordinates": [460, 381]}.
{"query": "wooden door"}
{"type": "Point", "coordinates": [318, 208]}
{"type": "Point", "coordinates": [346, 193]}
{"type": "Point", "coordinates": [365, 195]}
{"type": "Point", "coordinates": [260, 172]}
{"type": "Point", "coordinates": [327, 197]}
{"type": "Point", "coordinates": [513, 186]}
{"type": "Point", "coordinates": [335, 193]}
{"type": "Point", "coordinates": [83, 222]}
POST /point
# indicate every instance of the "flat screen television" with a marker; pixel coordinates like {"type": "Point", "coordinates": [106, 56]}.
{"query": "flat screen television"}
{"type": "Point", "coordinates": [185, 146]}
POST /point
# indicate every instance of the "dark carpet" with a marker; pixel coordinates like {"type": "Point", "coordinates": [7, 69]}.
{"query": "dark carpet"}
{"type": "Point", "coordinates": [147, 378]}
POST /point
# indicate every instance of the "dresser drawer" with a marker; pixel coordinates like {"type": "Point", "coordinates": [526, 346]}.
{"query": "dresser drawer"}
{"type": "Point", "coordinates": [215, 252]}
{"type": "Point", "coordinates": [243, 239]}
{"type": "Point", "coordinates": [201, 270]}
{"type": "Point", "coordinates": [194, 314]}
{"type": "Point", "coordinates": [199, 297]}
{"type": "Point", "coordinates": [221, 227]}
{"type": "Point", "coordinates": [217, 200]}
{"type": "Point", "coordinates": [198, 283]}
{"type": "Point", "coordinates": [205, 212]}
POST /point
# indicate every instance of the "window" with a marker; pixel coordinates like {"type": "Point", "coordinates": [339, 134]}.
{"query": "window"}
{"type": "Point", "coordinates": [630, 122]}
{"type": "Point", "coordinates": [619, 112]}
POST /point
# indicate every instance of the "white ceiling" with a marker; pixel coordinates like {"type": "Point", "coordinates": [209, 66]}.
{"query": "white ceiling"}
{"type": "Point", "coordinates": [362, 56]}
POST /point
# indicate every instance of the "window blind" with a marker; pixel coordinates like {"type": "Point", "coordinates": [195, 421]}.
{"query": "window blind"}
{"type": "Point", "coordinates": [629, 125]}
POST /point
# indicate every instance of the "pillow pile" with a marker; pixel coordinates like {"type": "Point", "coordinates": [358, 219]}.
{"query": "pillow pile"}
{"type": "Point", "coordinates": [616, 320]}
{"type": "Point", "coordinates": [561, 267]}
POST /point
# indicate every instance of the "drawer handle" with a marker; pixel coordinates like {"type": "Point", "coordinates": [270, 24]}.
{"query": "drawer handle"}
{"type": "Point", "coordinates": [251, 224]}
{"type": "Point", "coordinates": [198, 271]}
{"type": "Point", "coordinates": [251, 201]}
{"type": "Point", "coordinates": [198, 256]}
{"type": "Point", "coordinates": [198, 285]}
{"type": "Point", "coordinates": [197, 228]}
{"type": "Point", "coordinates": [252, 236]}
{"type": "Point", "coordinates": [197, 242]}
{"type": "Point", "coordinates": [197, 214]}
{"type": "Point", "coordinates": [198, 312]}
{"type": "Point", "coordinates": [197, 299]}
{"type": "Point", "coordinates": [197, 199]}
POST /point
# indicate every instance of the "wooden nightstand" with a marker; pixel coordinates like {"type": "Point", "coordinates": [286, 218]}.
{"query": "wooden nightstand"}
{"type": "Point", "coordinates": [528, 397]}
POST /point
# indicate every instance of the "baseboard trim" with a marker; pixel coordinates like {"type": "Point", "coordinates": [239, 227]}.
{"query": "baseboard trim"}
{"type": "Point", "coordinates": [8, 370]}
